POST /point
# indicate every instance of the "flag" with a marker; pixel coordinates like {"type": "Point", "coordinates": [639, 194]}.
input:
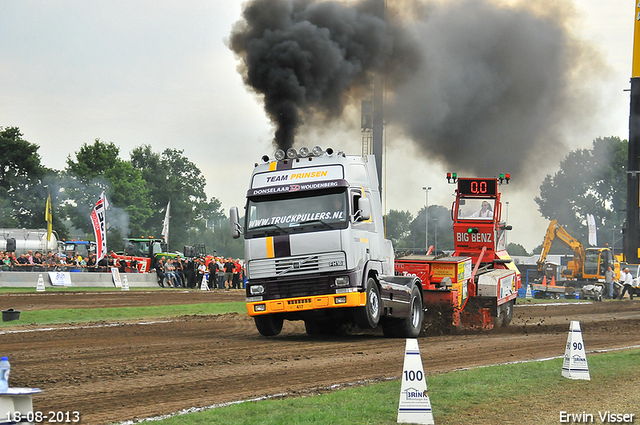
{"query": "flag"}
{"type": "Point", "coordinates": [48, 217]}
{"type": "Point", "coordinates": [593, 236]}
{"type": "Point", "coordinates": [165, 223]}
{"type": "Point", "coordinates": [99, 221]}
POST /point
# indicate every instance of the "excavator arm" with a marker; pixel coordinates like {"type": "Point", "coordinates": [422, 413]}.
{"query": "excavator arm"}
{"type": "Point", "coordinates": [556, 231]}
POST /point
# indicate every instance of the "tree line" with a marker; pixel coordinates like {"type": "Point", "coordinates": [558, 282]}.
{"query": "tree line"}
{"type": "Point", "coordinates": [138, 190]}
{"type": "Point", "coordinates": [589, 181]}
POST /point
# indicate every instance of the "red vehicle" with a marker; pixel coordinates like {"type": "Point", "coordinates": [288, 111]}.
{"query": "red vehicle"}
{"type": "Point", "coordinates": [146, 251]}
{"type": "Point", "coordinates": [477, 285]}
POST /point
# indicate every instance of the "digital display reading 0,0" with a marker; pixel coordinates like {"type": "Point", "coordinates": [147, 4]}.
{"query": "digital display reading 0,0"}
{"type": "Point", "coordinates": [477, 187]}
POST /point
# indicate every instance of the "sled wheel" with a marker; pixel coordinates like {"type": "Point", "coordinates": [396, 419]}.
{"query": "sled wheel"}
{"type": "Point", "coordinates": [507, 310]}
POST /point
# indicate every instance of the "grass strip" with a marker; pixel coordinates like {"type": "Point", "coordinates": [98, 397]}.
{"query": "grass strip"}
{"type": "Point", "coordinates": [525, 393]}
{"type": "Point", "coordinates": [80, 315]}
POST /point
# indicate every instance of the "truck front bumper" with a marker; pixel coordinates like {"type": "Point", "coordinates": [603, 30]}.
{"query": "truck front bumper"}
{"type": "Point", "coordinates": [315, 302]}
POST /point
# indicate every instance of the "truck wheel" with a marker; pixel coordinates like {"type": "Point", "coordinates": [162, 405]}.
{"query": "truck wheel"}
{"type": "Point", "coordinates": [368, 317]}
{"type": "Point", "coordinates": [268, 325]}
{"type": "Point", "coordinates": [409, 327]}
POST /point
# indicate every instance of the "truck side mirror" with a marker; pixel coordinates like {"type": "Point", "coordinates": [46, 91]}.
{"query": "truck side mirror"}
{"type": "Point", "coordinates": [236, 230]}
{"type": "Point", "coordinates": [364, 209]}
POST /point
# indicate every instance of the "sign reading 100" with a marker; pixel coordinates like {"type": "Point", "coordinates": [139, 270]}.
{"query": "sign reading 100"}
{"type": "Point", "coordinates": [477, 186]}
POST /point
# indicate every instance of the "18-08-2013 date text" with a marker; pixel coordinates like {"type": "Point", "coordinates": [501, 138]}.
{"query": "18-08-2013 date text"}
{"type": "Point", "coordinates": [37, 417]}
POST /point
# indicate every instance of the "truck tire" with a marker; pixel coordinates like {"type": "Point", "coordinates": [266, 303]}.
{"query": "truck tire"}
{"type": "Point", "coordinates": [269, 324]}
{"type": "Point", "coordinates": [368, 317]}
{"type": "Point", "coordinates": [409, 327]}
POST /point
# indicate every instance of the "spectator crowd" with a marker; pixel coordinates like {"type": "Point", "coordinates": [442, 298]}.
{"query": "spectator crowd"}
{"type": "Point", "coordinates": [54, 261]}
{"type": "Point", "coordinates": [218, 272]}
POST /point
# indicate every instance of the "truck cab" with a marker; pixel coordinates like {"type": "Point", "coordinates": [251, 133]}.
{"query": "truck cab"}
{"type": "Point", "coordinates": [315, 247]}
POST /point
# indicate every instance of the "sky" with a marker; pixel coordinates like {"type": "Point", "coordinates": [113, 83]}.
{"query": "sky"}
{"type": "Point", "coordinates": [161, 73]}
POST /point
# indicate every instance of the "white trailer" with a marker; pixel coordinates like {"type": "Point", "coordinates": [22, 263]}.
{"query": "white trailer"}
{"type": "Point", "coordinates": [28, 240]}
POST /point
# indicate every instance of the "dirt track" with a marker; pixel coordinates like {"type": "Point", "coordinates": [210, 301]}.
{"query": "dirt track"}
{"type": "Point", "coordinates": [128, 370]}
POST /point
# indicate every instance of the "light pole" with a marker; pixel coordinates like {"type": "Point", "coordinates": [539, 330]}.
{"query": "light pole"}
{"type": "Point", "coordinates": [426, 219]}
{"type": "Point", "coordinates": [613, 241]}
{"type": "Point", "coordinates": [435, 225]}
{"type": "Point", "coordinates": [507, 222]}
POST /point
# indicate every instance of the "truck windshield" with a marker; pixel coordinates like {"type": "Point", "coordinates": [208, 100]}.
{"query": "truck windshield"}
{"type": "Point", "coordinates": [296, 213]}
{"type": "Point", "coordinates": [476, 209]}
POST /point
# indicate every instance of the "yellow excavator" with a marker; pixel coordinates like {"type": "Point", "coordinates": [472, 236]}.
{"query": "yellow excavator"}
{"type": "Point", "coordinates": [588, 265]}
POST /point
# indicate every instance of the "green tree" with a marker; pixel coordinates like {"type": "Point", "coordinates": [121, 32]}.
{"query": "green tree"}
{"type": "Point", "coordinates": [24, 183]}
{"type": "Point", "coordinates": [398, 227]}
{"type": "Point", "coordinates": [97, 168]}
{"type": "Point", "coordinates": [590, 181]}
{"type": "Point", "coordinates": [516, 249]}
{"type": "Point", "coordinates": [440, 229]}
{"type": "Point", "coordinates": [171, 176]}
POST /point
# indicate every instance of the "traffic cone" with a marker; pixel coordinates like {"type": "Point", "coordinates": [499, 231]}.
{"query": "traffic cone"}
{"type": "Point", "coordinates": [40, 284]}
{"type": "Point", "coordinates": [575, 357]}
{"type": "Point", "coordinates": [415, 406]}
{"type": "Point", "coordinates": [553, 281]}
{"type": "Point", "coordinates": [528, 294]}
{"type": "Point", "coordinates": [544, 280]}
{"type": "Point", "coordinates": [203, 284]}
{"type": "Point", "coordinates": [125, 283]}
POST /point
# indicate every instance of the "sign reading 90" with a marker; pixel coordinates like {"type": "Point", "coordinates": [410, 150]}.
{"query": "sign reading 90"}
{"type": "Point", "coordinates": [480, 187]}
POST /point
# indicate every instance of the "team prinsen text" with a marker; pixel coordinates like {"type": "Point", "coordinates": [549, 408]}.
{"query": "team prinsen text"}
{"type": "Point", "coordinates": [295, 176]}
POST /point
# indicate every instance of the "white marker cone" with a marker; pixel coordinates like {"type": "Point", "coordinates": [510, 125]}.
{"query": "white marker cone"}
{"type": "Point", "coordinates": [575, 357]}
{"type": "Point", "coordinates": [528, 294]}
{"type": "Point", "coordinates": [40, 284]}
{"type": "Point", "coordinates": [203, 284]}
{"type": "Point", "coordinates": [125, 283]}
{"type": "Point", "coordinates": [415, 406]}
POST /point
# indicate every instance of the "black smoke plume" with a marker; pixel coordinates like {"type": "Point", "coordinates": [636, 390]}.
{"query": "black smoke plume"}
{"type": "Point", "coordinates": [306, 57]}
{"type": "Point", "coordinates": [478, 86]}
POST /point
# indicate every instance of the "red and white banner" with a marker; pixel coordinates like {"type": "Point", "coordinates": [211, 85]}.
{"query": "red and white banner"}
{"type": "Point", "coordinates": [98, 219]}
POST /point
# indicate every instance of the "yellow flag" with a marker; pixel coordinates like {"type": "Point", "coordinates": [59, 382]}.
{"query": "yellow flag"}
{"type": "Point", "coordinates": [48, 217]}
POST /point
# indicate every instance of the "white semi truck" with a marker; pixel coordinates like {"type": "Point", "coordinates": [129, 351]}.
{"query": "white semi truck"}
{"type": "Point", "coordinates": [315, 247]}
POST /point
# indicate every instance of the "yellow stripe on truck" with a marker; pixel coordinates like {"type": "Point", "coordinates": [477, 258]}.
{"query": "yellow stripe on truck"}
{"type": "Point", "coordinates": [270, 250]}
{"type": "Point", "coordinates": [354, 299]}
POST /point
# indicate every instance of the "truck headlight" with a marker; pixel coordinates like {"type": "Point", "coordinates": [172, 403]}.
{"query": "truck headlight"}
{"type": "Point", "coordinates": [340, 300]}
{"type": "Point", "coordinates": [341, 281]}
{"type": "Point", "coordinates": [254, 299]}
{"type": "Point", "coordinates": [256, 289]}
{"type": "Point", "coordinates": [260, 307]}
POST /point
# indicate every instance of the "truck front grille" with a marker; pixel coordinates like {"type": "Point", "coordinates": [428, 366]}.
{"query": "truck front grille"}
{"type": "Point", "coordinates": [296, 265]}
{"type": "Point", "coordinates": [297, 287]}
